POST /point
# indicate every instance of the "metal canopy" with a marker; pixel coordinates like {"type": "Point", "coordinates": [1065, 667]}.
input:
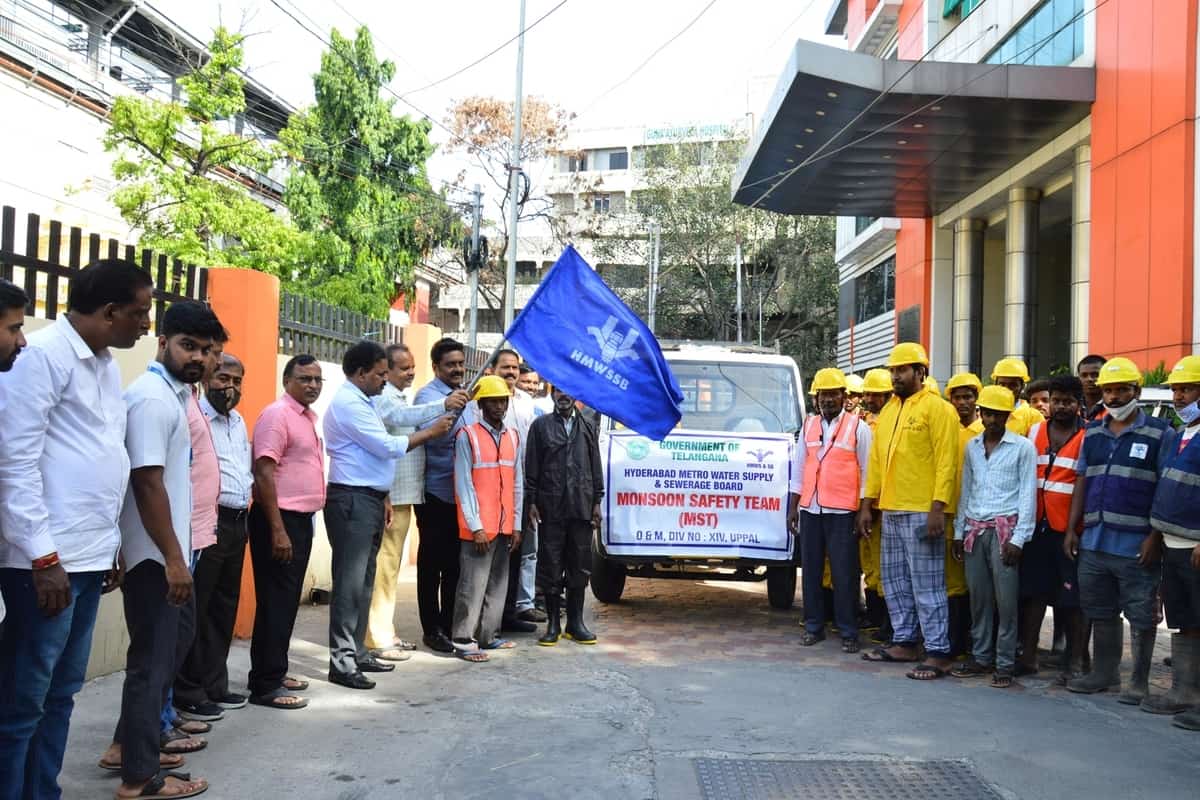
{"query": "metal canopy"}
{"type": "Point", "coordinates": [972, 122]}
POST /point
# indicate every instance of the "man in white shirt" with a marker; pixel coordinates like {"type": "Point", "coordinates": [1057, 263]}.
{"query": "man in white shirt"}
{"type": "Point", "coordinates": [400, 418]}
{"type": "Point", "coordinates": [520, 615]}
{"type": "Point", "coordinates": [12, 338]}
{"type": "Point", "coordinates": [829, 475]}
{"type": "Point", "coordinates": [63, 473]}
{"type": "Point", "coordinates": [204, 678]}
{"type": "Point", "coordinates": [156, 544]}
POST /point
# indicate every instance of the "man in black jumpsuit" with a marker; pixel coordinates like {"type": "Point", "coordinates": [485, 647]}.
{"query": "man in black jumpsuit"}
{"type": "Point", "coordinates": [563, 487]}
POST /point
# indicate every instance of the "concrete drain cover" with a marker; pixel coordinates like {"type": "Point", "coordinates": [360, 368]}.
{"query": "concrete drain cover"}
{"type": "Point", "coordinates": [741, 779]}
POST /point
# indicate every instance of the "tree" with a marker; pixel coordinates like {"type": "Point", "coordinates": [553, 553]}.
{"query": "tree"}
{"type": "Point", "coordinates": [482, 128]}
{"type": "Point", "coordinates": [181, 172]}
{"type": "Point", "coordinates": [358, 181]}
{"type": "Point", "coordinates": [788, 261]}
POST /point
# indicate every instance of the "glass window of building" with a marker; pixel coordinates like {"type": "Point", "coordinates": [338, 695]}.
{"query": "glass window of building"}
{"type": "Point", "coordinates": [618, 159]}
{"type": "Point", "coordinates": [1051, 36]}
{"type": "Point", "coordinates": [600, 203]}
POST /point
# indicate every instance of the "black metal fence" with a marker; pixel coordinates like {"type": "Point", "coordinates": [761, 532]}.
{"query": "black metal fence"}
{"type": "Point", "coordinates": [47, 278]}
{"type": "Point", "coordinates": [326, 331]}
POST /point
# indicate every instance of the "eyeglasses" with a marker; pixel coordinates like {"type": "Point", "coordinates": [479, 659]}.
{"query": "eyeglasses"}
{"type": "Point", "coordinates": [306, 379]}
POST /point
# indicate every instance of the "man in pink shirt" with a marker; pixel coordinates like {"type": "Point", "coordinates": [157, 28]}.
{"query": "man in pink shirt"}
{"type": "Point", "coordinates": [289, 487]}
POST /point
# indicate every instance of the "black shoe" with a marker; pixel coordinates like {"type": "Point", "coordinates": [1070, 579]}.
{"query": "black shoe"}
{"type": "Point", "coordinates": [204, 712]}
{"type": "Point", "coordinates": [517, 626]}
{"type": "Point", "coordinates": [575, 630]}
{"type": "Point", "coordinates": [355, 680]}
{"type": "Point", "coordinates": [438, 643]}
{"type": "Point", "coordinates": [372, 664]}
{"type": "Point", "coordinates": [532, 615]}
{"type": "Point", "coordinates": [232, 701]}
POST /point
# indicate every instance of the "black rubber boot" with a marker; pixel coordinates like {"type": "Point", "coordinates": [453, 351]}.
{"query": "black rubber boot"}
{"type": "Point", "coordinates": [1108, 635]}
{"type": "Point", "coordinates": [576, 631]}
{"type": "Point", "coordinates": [553, 623]}
{"type": "Point", "coordinates": [1184, 694]}
{"type": "Point", "coordinates": [1141, 645]}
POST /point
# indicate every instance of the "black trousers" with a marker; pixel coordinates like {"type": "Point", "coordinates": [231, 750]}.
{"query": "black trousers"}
{"type": "Point", "coordinates": [160, 635]}
{"type": "Point", "coordinates": [277, 596]}
{"type": "Point", "coordinates": [564, 555]}
{"type": "Point", "coordinates": [217, 582]}
{"type": "Point", "coordinates": [832, 535]}
{"type": "Point", "coordinates": [437, 564]}
{"type": "Point", "coordinates": [354, 523]}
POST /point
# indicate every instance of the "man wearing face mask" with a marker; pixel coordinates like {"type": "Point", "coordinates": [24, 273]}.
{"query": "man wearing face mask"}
{"type": "Point", "coordinates": [1174, 513]}
{"type": "Point", "coordinates": [1119, 551]}
{"type": "Point", "coordinates": [204, 679]}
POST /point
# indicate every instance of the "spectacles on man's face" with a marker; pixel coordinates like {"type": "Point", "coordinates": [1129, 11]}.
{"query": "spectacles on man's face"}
{"type": "Point", "coordinates": [315, 380]}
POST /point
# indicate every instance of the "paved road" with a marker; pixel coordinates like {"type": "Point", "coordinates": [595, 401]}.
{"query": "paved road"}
{"type": "Point", "coordinates": [683, 671]}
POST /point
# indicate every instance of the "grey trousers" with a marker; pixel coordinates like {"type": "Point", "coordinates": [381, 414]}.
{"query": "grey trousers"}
{"type": "Point", "coordinates": [995, 591]}
{"type": "Point", "coordinates": [482, 587]}
{"type": "Point", "coordinates": [354, 523]}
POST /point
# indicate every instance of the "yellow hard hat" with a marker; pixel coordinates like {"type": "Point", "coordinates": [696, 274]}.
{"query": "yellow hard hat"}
{"type": "Point", "coordinates": [1011, 368]}
{"type": "Point", "coordinates": [964, 380]}
{"type": "Point", "coordinates": [828, 378]}
{"type": "Point", "coordinates": [908, 353]}
{"type": "Point", "coordinates": [854, 384]}
{"type": "Point", "coordinates": [878, 381]}
{"type": "Point", "coordinates": [491, 386]}
{"type": "Point", "coordinates": [931, 384]}
{"type": "Point", "coordinates": [1186, 370]}
{"type": "Point", "coordinates": [996, 398]}
{"type": "Point", "coordinates": [1119, 370]}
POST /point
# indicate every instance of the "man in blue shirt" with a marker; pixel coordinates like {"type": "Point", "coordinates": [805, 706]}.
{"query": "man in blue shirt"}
{"type": "Point", "coordinates": [1122, 456]}
{"type": "Point", "coordinates": [362, 456]}
{"type": "Point", "coordinates": [437, 517]}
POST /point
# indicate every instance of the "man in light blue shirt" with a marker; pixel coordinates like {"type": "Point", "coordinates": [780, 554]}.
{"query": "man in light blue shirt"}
{"type": "Point", "coordinates": [997, 510]}
{"type": "Point", "coordinates": [437, 517]}
{"type": "Point", "coordinates": [362, 462]}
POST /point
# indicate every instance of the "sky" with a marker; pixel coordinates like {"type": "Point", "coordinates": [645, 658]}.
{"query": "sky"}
{"type": "Point", "coordinates": [578, 57]}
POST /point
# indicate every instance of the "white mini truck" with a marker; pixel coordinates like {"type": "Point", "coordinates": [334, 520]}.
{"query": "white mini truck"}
{"type": "Point", "coordinates": [708, 502]}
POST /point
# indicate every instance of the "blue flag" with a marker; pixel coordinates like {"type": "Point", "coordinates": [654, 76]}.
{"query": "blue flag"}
{"type": "Point", "coordinates": [583, 339]}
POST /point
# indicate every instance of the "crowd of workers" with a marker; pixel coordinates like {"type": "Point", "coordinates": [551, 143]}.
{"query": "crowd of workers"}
{"type": "Point", "coordinates": [965, 518]}
{"type": "Point", "coordinates": [161, 488]}
{"type": "Point", "coordinates": [968, 515]}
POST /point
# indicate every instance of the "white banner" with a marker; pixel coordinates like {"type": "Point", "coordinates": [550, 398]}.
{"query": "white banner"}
{"type": "Point", "coordinates": [698, 496]}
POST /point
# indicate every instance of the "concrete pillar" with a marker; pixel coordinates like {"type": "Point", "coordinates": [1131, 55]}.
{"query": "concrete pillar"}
{"type": "Point", "coordinates": [1020, 284]}
{"type": "Point", "coordinates": [968, 295]}
{"type": "Point", "coordinates": [1081, 252]}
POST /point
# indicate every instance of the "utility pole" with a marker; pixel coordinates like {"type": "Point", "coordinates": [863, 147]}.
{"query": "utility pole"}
{"type": "Point", "coordinates": [652, 301]}
{"type": "Point", "coordinates": [474, 265]}
{"type": "Point", "coordinates": [737, 271]}
{"type": "Point", "coordinates": [514, 184]}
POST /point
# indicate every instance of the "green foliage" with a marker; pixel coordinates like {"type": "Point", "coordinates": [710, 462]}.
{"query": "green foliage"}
{"type": "Point", "coordinates": [358, 182]}
{"type": "Point", "coordinates": [1156, 376]}
{"type": "Point", "coordinates": [178, 165]}
{"type": "Point", "coordinates": [787, 261]}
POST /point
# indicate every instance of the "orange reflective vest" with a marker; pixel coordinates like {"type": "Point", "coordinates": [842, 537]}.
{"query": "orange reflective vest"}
{"type": "Point", "coordinates": [1056, 477]}
{"type": "Point", "coordinates": [833, 478]}
{"type": "Point", "coordinates": [493, 473]}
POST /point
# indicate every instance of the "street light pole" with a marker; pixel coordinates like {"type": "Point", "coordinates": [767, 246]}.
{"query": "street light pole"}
{"type": "Point", "coordinates": [738, 277]}
{"type": "Point", "coordinates": [474, 266]}
{"type": "Point", "coordinates": [514, 184]}
{"type": "Point", "coordinates": [655, 256]}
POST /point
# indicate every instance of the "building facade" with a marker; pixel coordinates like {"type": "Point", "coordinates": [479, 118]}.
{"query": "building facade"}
{"type": "Point", "coordinates": [1010, 177]}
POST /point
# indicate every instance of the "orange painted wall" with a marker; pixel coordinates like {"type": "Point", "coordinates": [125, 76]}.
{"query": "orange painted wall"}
{"type": "Point", "coordinates": [247, 304]}
{"type": "Point", "coordinates": [914, 240]}
{"type": "Point", "coordinates": [857, 14]}
{"type": "Point", "coordinates": [1143, 167]}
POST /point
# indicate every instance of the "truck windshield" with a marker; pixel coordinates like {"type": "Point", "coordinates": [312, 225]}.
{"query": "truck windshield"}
{"type": "Point", "coordinates": [738, 398]}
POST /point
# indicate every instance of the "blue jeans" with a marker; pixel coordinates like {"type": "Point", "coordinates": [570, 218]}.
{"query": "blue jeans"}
{"type": "Point", "coordinates": [43, 661]}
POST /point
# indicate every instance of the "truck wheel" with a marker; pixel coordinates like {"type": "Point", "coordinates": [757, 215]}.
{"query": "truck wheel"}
{"type": "Point", "coordinates": [781, 587]}
{"type": "Point", "coordinates": [608, 579]}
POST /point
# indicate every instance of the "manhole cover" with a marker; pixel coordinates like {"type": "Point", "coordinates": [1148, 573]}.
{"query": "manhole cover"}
{"type": "Point", "coordinates": [743, 779]}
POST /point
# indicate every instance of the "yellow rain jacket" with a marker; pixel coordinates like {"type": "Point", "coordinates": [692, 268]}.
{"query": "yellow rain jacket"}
{"type": "Point", "coordinates": [914, 454]}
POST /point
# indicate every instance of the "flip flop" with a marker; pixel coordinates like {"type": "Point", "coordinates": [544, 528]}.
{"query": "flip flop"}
{"type": "Point", "coordinates": [1002, 679]}
{"type": "Point", "coordinates": [165, 761]}
{"type": "Point", "coordinates": [153, 790]}
{"type": "Point", "coordinates": [926, 672]}
{"type": "Point", "coordinates": [498, 644]}
{"type": "Point", "coordinates": [473, 656]}
{"type": "Point", "coordinates": [176, 741]}
{"type": "Point", "coordinates": [271, 700]}
{"type": "Point", "coordinates": [880, 654]}
{"type": "Point", "coordinates": [191, 726]}
{"type": "Point", "coordinates": [294, 684]}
